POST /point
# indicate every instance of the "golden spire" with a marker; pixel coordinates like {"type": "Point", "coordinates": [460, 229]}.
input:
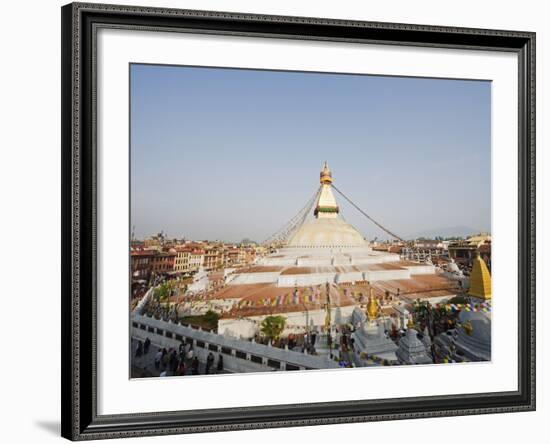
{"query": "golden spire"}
{"type": "Point", "coordinates": [373, 308]}
{"type": "Point", "coordinates": [410, 323]}
{"type": "Point", "coordinates": [326, 175]}
{"type": "Point", "coordinates": [480, 280]}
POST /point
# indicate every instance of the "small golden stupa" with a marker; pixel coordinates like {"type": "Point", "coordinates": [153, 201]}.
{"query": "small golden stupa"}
{"type": "Point", "coordinates": [480, 280]}
{"type": "Point", "coordinates": [468, 328]}
{"type": "Point", "coordinates": [373, 307]}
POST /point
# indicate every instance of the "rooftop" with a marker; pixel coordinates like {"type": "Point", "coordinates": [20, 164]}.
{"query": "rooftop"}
{"type": "Point", "coordinates": [417, 284]}
{"type": "Point", "coordinates": [265, 300]}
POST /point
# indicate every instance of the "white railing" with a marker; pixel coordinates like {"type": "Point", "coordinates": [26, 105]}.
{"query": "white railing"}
{"type": "Point", "coordinates": [138, 310]}
{"type": "Point", "coordinates": [239, 355]}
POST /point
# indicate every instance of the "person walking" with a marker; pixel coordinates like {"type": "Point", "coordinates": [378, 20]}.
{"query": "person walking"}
{"type": "Point", "coordinates": [181, 349]}
{"type": "Point", "coordinates": [139, 349]}
{"type": "Point", "coordinates": [313, 339]}
{"type": "Point", "coordinates": [219, 367]}
{"type": "Point", "coordinates": [173, 361]}
{"type": "Point", "coordinates": [165, 359]}
{"type": "Point", "coordinates": [158, 358]}
{"type": "Point", "coordinates": [209, 362]}
{"type": "Point", "coordinates": [146, 345]}
{"type": "Point", "coordinates": [190, 353]}
{"type": "Point", "coordinates": [180, 371]}
{"type": "Point", "coordinates": [195, 366]}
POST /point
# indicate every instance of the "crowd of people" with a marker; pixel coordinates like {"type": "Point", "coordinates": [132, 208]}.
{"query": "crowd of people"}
{"type": "Point", "coordinates": [181, 361]}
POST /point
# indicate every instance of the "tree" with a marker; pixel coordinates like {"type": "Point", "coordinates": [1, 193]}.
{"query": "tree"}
{"type": "Point", "coordinates": [211, 319]}
{"type": "Point", "coordinates": [162, 293]}
{"type": "Point", "coordinates": [273, 326]}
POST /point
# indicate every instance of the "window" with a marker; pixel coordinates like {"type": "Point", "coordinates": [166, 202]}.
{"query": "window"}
{"type": "Point", "coordinates": [273, 364]}
{"type": "Point", "coordinates": [256, 359]}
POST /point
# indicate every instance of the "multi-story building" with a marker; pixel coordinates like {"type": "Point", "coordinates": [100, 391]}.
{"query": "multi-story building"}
{"type": "Point", "coordinates": [238, 256]}
{"type": "Point", "coordinates": [163, 262]}
{"type": "Point", "coordinates": [247, 255]}
{"type": "Point", "coordinates": [181, 261]}
{"type": "Point", "coordinates": [232, 256]}
{"type": "Point", "coordinates": [196, 259]}
{"type": "Point", "coordinates": [213, 258]}
{"type": "Point", "coordinates": [141, 263]}
{"type": "Point", "coordinates": [464, 251]}
{"type": "Point", "coordinates": [188, 258]}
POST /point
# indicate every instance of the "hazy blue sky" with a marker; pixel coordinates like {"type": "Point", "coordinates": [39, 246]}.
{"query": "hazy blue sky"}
{"type": "Point", "coordinates": [229, 153]}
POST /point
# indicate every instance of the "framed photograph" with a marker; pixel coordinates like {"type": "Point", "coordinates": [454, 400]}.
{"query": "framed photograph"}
{"type": "Point", "coordinates": [278, 221]}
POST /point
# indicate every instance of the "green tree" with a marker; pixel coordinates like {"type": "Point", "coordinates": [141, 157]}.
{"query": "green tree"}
{"type": "Point", "coordinates": [162, 293]}
{"type": "Point", "coordinates": [211, 319]}
{"type": "Point", "coordinates": [273, 326]}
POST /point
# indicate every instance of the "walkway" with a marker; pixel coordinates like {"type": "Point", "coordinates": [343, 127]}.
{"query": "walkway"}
{"type": "Point", "coordinates": [144, 366]}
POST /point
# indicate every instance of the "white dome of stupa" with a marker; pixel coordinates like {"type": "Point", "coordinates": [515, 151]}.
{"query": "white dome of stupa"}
{"type": "Point", "coordinates": [322, 233]}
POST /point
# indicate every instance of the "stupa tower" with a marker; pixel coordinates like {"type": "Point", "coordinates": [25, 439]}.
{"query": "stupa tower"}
{"type": "Point", "coordinates": [480, 280]}
{"type": "Point", "coordinates": [326, 207]}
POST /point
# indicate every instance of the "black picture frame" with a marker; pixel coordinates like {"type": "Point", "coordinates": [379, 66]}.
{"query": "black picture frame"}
{"type": "Point", "coordinates": [79, 171]}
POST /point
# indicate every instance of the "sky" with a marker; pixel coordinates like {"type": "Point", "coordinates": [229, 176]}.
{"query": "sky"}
{"type": "Point", "coordinates": [226, 154]}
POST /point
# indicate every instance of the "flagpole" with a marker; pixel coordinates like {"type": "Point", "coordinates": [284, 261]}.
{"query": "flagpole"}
{"type": "Point", "coordinates": [329, 321]}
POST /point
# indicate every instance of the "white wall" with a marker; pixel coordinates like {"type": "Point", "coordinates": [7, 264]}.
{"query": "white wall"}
{"type": "Point", "coordinates": [29, 180]}
{"type": "Point", "coordinates": [295, 322]}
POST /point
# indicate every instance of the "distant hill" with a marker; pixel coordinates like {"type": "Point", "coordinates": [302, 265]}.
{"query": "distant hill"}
{"type": "Point", "coordinates": [460, 231]}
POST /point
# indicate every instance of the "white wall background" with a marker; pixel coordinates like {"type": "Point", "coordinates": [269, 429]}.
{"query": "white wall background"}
{"type": "Point", "coordinates": [30, 217]}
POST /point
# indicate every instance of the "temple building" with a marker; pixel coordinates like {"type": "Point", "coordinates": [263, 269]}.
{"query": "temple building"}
{"type": "Point", "coordinates": [464, 251]}
{"type": "Point", "coordinates": [325, 262]}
